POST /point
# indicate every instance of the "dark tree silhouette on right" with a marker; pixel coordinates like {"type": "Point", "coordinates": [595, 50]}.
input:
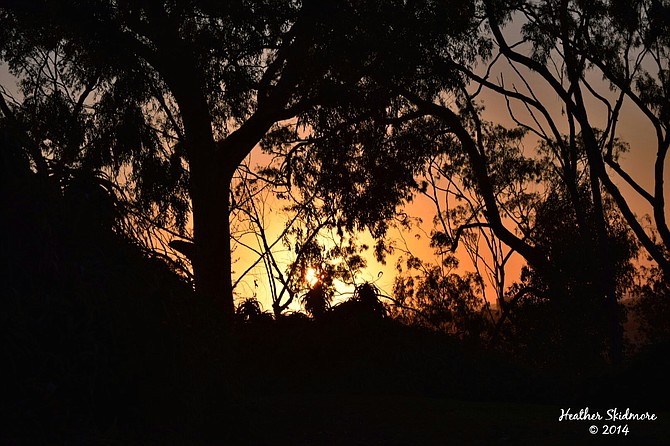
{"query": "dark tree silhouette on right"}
{"type": "Point", "coordinates": [557, 310]}
{"type": "Point", "coordinates": [562, 47]}
{"type": "Point", "coordinates": [625, 43]}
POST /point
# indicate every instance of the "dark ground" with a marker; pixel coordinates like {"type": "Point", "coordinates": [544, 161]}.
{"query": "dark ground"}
{"type": "Point", "coordinates": [389, 420]}
{"type": "Point", "coordinates": [406, 420]}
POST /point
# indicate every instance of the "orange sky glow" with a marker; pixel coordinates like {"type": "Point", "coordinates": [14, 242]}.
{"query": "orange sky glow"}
{"type": "Point", "coordinates": [632, 128]}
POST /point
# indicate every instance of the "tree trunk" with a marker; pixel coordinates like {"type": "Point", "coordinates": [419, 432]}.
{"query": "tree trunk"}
{"type": "Point", "coordinates": [212, 165]}
{"type": "Point", "coordinates": [211, 233]}
{"type": "Point", "coordinates": [603, 268]}
{"type": "Point", "coordinates": [210, 179]}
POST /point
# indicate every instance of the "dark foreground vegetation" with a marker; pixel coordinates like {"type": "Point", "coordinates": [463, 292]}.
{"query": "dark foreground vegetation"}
{"type": "Point", "coordinates": [103, 345]}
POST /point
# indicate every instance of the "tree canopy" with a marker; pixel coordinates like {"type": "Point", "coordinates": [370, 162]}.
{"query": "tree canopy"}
{"type": "Point", "coordinates": [173, 96]}
{"type": "Point", "coordinates": [360, 105]}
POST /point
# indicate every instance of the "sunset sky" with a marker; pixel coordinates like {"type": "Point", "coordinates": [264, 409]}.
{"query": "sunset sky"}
{"type": "Point", "coordinates": [639, 162]}
{"type": "Point", "coordinates": [632, 128]}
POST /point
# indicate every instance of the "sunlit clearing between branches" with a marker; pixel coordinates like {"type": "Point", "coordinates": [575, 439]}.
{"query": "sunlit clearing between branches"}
{"type": "Point", "coordinates": [311, 277]}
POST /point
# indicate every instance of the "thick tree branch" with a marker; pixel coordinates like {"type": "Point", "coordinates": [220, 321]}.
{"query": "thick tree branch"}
{"type": "Point", "coordinates": [478, 165]}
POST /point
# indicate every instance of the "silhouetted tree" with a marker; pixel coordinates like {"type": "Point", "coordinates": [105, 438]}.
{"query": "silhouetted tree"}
{"type": "Point", "coordinates": [318, 299]}
{"type": "Point", "coordinates": [189, 88]}
{"type": "Point", "coordinates": [436, 297]}
{"type": "Point", "coordinates": [626, 44]}
{"type": "Point", "coordinates": [310, 239]}
{"type": "Point", "coordinates": [365, 305]}
{"type": "Point", "coordinates": [559, 310]}
{"type": "Point", "coordinates": [250, 310]}
{"type": "Point", "coordinates": [567, 43]}
{"type": "Point", "coordinates": [461, 219]}
{"type": "Point", "coordinates": [560, 43]}
{"type": "Point", "coordinates": [651, 307]}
